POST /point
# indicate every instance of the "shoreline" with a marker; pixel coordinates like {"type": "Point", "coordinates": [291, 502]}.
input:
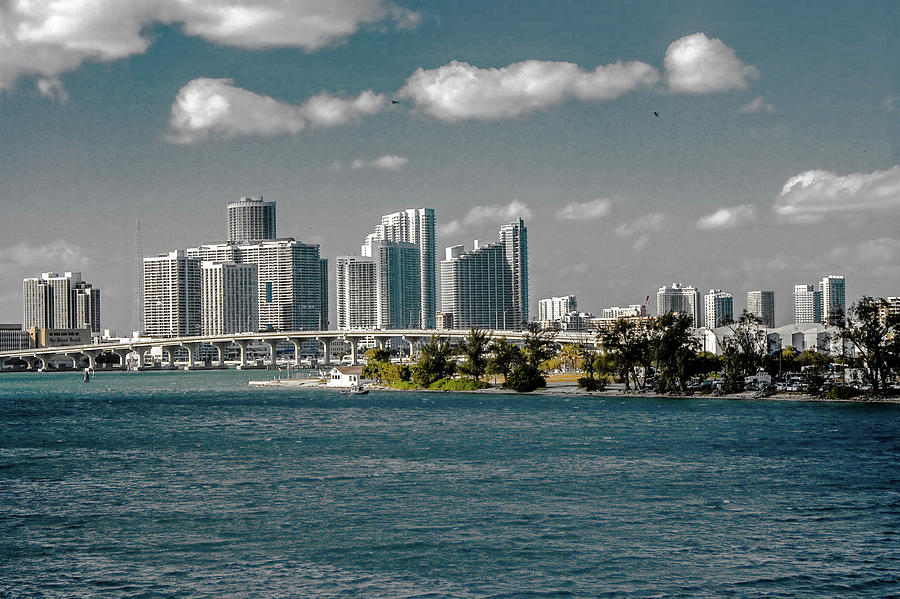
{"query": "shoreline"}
{"type": "Point", "coordinates": [564, 389]}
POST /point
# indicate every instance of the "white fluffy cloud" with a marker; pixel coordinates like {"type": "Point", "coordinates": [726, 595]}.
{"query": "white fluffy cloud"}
{"type": "Point", "coordinates": [497, 213]}
{"type": "Point", "coordinates": [696, 64]}
{"type": "Point", "coordinates": [755, 105]}
{"type": "Point", "coordinates": [459, 91]}
{"type": "Point", "coordinates": [647, 223]}
{"type": "Point", "coordinates": [48, 37]}
{"type": "Point", "coordinates": [52, 88]}
{"type": "Point", "coordinates": [727, 218]}
{"type": "Point", "coordinates": [215, 108]}
{"type": "Point", "coordinates": [811, 195]}
{"type": "Point", "coordinates": [388, 162]}
{"type": "Point", "coordinates": [58, 255]}
{"type": "Point", "coordinates": [590, 210]}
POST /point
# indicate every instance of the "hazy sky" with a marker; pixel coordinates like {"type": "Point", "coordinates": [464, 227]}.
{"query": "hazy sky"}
{"type": "Point", "coordinates": [774, 159]}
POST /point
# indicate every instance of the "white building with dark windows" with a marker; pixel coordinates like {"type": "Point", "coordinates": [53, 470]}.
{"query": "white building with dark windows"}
{"type": "Point", "coordinates": [251, 219]}
{"type": "Point", "coordinates": [487, 287]}
{"type": "Point", "coordinates": [762, 305]}
{"type": "Point", "coordinates": [172, 304]}
{"type": "Point", "coordinates": [54, 301]}
{"type": "Point", "coordinates": [807, 304]}
{"type": "Point", "coordinates": [679, 298]}
{"type": "Point", "coordinates": [634, 310]}
{"type": "Point", "coordinates": [554, 308]}
{"type": "Point", "coordinates": [356, 292]}
{"type": "Point", "coordinates": [718, 308]}
{"type": "Point", "coordinates": [834, 302]}
{"type": "Point", "coordinates": [415, 226]}
{"type": "Point", "coordinates": [230, 298]}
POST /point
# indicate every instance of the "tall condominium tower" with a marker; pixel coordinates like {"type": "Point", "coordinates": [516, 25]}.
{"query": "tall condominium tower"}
{"type": "Point", "coordinates": [834, 304]}
{"type": "Point", "coordinates": [289, 287]}
{"type": "Point", "coordinates": [679, 298]}
{"type": "Point", "coordinates": [380, 290]}
{"type": "Point", "coordinates": [230, 303]}
{"type": "Point", "coordinates": [514, 237]}
{"type": "Point", "coordinates": [56, 301]}
{"type": "Point", "coordinates": [251, 219]}
{"type": "Point", "coordinates": [476, 288]}
{"type": "Point", "coordinates": [718, 308]}
{"type": "Point", "coordinates": [413, 225]}
{"type": "Point", "coordinates": [172, 300]}
{"type": "Point", "coordinates": [762, 305]}
{"type": "Point", "coordinates": [554, 308]}
{"type": "Point", "coordinates": [807, 304]}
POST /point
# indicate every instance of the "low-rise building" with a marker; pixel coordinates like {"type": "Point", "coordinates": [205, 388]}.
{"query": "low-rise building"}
{"type": "Point", "coordinates": [346, 376]}
{"type": "Point", "coordinates": [43, 337]}
{"type": "Point", "coordinates": [13, 338]}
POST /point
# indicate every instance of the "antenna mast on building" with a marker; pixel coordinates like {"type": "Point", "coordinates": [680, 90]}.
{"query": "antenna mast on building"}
{"type": "Point", "coordinates": [139, 283]}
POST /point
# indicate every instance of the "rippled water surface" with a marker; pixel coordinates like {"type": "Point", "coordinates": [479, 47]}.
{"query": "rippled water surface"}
{"type": "Point", "coordinates": [194, 485]}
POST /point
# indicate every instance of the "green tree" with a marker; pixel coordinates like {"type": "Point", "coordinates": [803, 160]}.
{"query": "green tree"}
{"type": "Point", "coordinates": [474, 347]}
{"type": "Point", "coordinates": [527, 374]}
{"type": "Point", "coordinates": [435, 362]}
{"type": "Point", "coordinates": [504, 356]}
{"type": "Point", "coordinates": [875, 334]}
{"type": "Point", "coordinates": [744, 351]}
{"type": "Point", "coordinates": [629, 344]}
{"type": "Point", "coordinates": [674, 349]}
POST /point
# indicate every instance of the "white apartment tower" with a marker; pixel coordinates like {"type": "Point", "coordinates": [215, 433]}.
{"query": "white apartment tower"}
{"type": "Point", "coordinates": [834, 304]}
{"type": "Point", "coordinates": [554, 308]}
{"type": "Point", "coordinates": [718, 308]}
{"type": "Point", "coordinates": [172, 286]}
{"type": "Point", "coordinates": [679, 298]}
{"type": "Point", "coordinates": [807, 304]}
{"type": "Point", "coordinates": [357, 292]}
{"type": "Point", "coordinates": [55, 301]}
{"type": "Point", "coordinates": [762, 305]}
{"type": "Point", "coordinates": [289, 286]}
{"type": "Point", "coordinates": [416, 226]}
{"type": "Point", "coordinates": [251, 219]}
{"type": "Point", "coordinates": [476, 288]}
{"type": "Point", "coordinates": [230, 303]}
{"type": "Point", "coordinates": [514, 237]}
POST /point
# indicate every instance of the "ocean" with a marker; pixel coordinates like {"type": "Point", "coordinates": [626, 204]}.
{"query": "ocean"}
{"type": "Point", "coordinates": [192, 484]}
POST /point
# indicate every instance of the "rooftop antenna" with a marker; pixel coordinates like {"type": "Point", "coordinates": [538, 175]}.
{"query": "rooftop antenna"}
{"type": "Point", "coordinates": [139, 282]}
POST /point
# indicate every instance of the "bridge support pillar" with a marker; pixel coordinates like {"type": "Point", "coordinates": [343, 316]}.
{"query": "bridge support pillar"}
{"type": "Point", "coordinates": [92, 357]}
{"type": "Point", "coordinates": [123, 354]}
{"type": "Point", "coordinates": [220, 347]}
{"type": "Point", "coordinates": [354, 349]}
{"type": "Point", "coordinates": [243, 344]}
{"type": "Point", "coordinates": [296, 342]}
{"type": "Point", "coordinates": [326, 345]}
{"type": "Point", "coordinates": [272, 343]}
{"type": "Point", "coordinates": [412, 346]}
{"type": "Point", "coordinates": [42, 360]}
{"type": "Point", "coordinates": [192, 352]}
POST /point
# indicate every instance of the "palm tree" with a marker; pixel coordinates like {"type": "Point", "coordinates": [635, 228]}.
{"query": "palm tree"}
{"type": "Point", "coordinates": [474, 347]}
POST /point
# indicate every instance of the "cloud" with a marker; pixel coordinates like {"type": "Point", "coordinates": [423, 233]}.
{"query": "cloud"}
{"type": "Point", "coordinates": [459, 91]}
{"type": "Point", "coordinates": [727, 218]}
{"type": "Point", "coordinates": [498, 213]}
{"type": "Point", "coordinates": [755, 105]}
{"type": "Point", "coordinates": [52, 89]}
{"type": "Point", "coordinates": [383, 163]}
{"type": "Point", "coordinates": [811, 195]}
{"type": "Point", "coordinates": [696, 64]}
{"type": "Point", "coordinates": [647, 223]}
{"type": "Point", "coordinates": [450, 229]}
{"type": "Point", "coordinates": [590, 210]}
{"type": "Point", "coordinates": [58, 255]}
{"type": "Point", "coordinates": [214, 108]}
{"type": "Point", "coordinates": [47, 38]}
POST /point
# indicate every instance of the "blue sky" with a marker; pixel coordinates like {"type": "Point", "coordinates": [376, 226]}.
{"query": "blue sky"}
{"type": "Point", "coordinates": [774, 160]}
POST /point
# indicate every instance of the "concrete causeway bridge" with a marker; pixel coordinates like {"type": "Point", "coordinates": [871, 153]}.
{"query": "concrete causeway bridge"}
{"type": "Point", "coordinates": [39, 358]}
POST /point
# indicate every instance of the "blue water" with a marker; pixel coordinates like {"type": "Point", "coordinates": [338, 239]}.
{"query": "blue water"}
{"type": "Point", "coordinates": [194, 485]}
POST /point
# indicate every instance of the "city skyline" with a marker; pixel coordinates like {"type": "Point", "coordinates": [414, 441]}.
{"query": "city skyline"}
{"type": "Point", "coordinates": [774, 160]}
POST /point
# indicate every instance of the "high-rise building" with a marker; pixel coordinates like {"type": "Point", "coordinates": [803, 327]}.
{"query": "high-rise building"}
{"type": "Point", "coordinates": [718, 308]}
{"type": "Point", "coordinates": [554, 308]}
{"type": "Point", "coordinates": [172, 304]}
{"type": "Point", "coordinates": [762, 305]}
{"type": "Point", "coordinates": [514, 237]}
{"type": "Point", "coordinates": [807, 304]}
{"type": "Point", "coordinates": [679, 298]}
{"type": "Point", "coordinates": [230, 302]}
{"type": "Point", "coordinates": [289, 287]}
{"type": "Point", "coordinates": [413, 225]}
{"type": "Point", "coordinates": [834, 304]}
{"type": "Point", "coordinates": [380, 290]}
{"type": "Point", "coordinates": [356, 292]}
{"type": "Point", "coordinates": [55, 301]}
{"type": "Point", "coordinates": [251, 219]}
{"type": "Point", "coordinates": [476, 288]}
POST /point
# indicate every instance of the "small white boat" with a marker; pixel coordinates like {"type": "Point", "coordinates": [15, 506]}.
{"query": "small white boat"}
{"type": "Point", "coordinates": [355, 390]}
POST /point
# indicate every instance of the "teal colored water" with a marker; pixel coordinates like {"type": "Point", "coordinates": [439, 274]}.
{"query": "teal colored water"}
{"type": "Point", "coordinates": [193, 485]}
